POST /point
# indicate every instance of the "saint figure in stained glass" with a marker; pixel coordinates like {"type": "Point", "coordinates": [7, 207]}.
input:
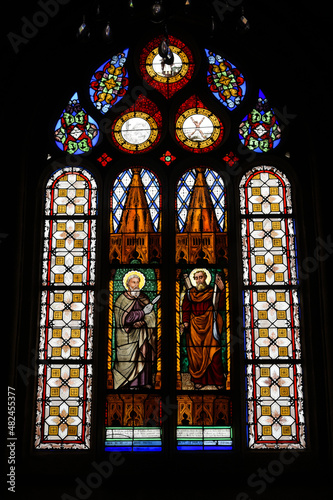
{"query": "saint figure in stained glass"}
{"type": "Point", "coordinates": [202, 325]}
{"type": "Point", "coordinates": [135, 333]}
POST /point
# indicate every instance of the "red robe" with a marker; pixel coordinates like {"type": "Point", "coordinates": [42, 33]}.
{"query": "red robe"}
{"type": "Point", "coordinates": [204, 351]}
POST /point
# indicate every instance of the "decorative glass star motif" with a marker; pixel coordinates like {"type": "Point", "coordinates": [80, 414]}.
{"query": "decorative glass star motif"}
{"type": "Point", "coordinates": [231, 159]}
{"type": "Point", "coordinates": [167, 158]}
{"type": "Point", "coordinates": [104, 159]}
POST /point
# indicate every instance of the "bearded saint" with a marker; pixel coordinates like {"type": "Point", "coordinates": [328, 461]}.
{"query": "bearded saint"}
{"type": "Point", "coordinates": [135, 337]}
{"type": "Point", "coordinates": [203, 325]}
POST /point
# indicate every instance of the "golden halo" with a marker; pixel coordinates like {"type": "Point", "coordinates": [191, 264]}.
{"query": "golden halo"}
{"type": "Point", "coordinates": [198, 269]}
{"type": "Point", "coordinates": [138, 275]}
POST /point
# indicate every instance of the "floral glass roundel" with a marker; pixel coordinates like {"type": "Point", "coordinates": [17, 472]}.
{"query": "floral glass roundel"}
{"type": "Point", "coordinates": [259, 130]}
{"type": "Point", "coordinates": [76, 132]}
{"type": "Point", "coordinates": [225, 81]}
{"type": "Point", "coordinates": [197, 128]}
{"type": "Point", "coordinates": [139, 127]}
{"type": "Point", "coordinates": [166, 74]}
{"type": "Point", "coordinates": [109, 82]}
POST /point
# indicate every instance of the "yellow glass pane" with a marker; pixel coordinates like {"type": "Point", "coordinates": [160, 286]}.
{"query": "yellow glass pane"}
{"type": "Point", "coordinates": [276, 224]}
{"type": "Point", "coordinates": [261, 277]}
{"type": "Point", "coordinates": [285, 410]}
{"type": "Point", "coordinates": [284, 391]}
{"type": "Point", "coordinates": [286, 430]}
{"type": "Point", "coordinates": [284, 372]}
{"type": "Point", "coordinates": [262, 296]}
{"type": "Point", "coordinates": [266, 430]}
{"type": "Point", "coordinates": [264, 351]}
{"type": "Point", "coordinates": [262, 314]}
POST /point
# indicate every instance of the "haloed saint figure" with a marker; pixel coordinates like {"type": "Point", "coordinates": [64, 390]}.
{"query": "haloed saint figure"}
{"type": "Point", "coordinates": [202, 324]}
{"type": "Point", "coordinates": [135, 322]}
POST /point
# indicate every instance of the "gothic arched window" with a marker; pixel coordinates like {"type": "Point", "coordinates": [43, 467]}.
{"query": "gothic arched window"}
{"type": "Point", "coordinates": [67, 311]}
{"type": "Point", "coordinates": [167, 159]}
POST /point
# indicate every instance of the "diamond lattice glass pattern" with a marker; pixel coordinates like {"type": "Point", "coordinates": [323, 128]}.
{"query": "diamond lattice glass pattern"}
{"type": "Point", "coordinates": [275, 406]}
{"type": "Point", "coordinates": [67, 311]}
{"type": "Point", "coordinates": [271, 311]}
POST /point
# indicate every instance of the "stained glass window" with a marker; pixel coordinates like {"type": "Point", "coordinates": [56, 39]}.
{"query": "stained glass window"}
{"type": "Point", "coordinates": [225, 81]}
{"type": "Point", "coordinates": [76, 132]}
{"type": "Point", "coordinates": [202, 313]}
{"type": "Point", "coordinates": [197, 129]}
{"type": "Point", "coordinates": [138, 129]}
{"type": "Point", "coordinates": [109, 82]}
{"type": "Point", "coordinates": [199, 282]}
{"type": "Point", "coordinates": [275, 414]}
{"type": "Point", "coordinates": [260, 130]}
{"type": "Point", "coordinates": [171, 76]}
{"type": "Point", "coordinates": [67, 311]}
{"type": "Point", "coordinates": [133, 415]}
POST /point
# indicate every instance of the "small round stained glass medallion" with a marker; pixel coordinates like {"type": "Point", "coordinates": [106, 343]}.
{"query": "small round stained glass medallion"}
{"type": "Point", "coordinates": [198, 129]}
{"type": "Point", "coordinates": [139, 128]}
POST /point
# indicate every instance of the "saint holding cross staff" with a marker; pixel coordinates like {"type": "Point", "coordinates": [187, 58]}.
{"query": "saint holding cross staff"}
{"type": "Point", "coordinates": [202, 325]}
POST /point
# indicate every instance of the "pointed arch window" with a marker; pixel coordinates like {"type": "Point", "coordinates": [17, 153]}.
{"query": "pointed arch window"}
{"type": "Point", "coordinates": [199, 281]}
{"type": "Point", "coordinates": [133, 418]}
{"type": "Point", "coordinates": [275, 413]}
{"type": "Point", "coordinates": [67, 311]}
{"type": "Point", "coordinates": [202, 313]}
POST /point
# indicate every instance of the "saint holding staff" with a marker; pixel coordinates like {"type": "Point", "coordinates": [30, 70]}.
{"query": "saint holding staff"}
{"type": "Point", "coordinates": [202, 325]}
{"type": "Point", "coordinates": [135, 334]}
